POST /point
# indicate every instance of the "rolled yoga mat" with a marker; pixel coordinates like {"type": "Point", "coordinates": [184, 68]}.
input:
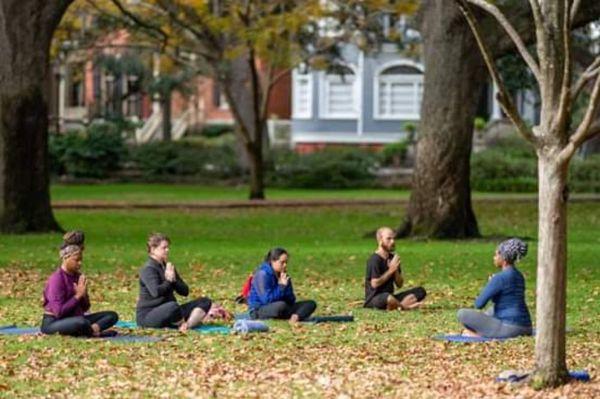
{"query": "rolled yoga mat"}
{"type": "Point", "coordinates": [248, 326]}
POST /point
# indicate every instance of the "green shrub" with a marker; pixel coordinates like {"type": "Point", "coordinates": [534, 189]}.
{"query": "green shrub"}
{"type": "Point", "coordinates": [394, 154]}
{"type": "Point", "coordinates": [94, 153]}
{"type": "Point", "coordinates": [584, 174]}
{"type": "Point", "coordinates": [331, 168]}
{"type": "Point", "coordinates": [216, 130]}
{"type": "Point", "coordinates": [186, 158]}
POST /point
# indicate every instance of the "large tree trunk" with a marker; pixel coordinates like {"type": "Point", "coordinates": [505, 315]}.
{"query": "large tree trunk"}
{"type": "Point", "coordinates": [26, 28]}
{"type": "Point", "coordinates": [240, 92]}
{"type": "Point", "coordinates": [551, 366]}
{"type": "Point", "coordinates": [440, 201]}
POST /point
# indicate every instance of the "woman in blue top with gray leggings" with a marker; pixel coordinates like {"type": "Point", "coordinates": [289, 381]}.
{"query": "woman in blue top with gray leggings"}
{"type": "Point", "coordinates": [509, 316]}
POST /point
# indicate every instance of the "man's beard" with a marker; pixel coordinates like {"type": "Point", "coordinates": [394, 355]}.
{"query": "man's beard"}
{"type": "Point", "coordinates": [389, 248]}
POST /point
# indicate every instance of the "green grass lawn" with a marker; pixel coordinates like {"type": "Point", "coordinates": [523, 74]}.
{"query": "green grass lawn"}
{"type": "Point", "coordinates": [186, 193]}
{"type": "Point", "coordinates": [381, 354]}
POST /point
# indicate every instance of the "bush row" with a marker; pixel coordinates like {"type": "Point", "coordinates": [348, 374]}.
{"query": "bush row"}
{"type": "Point", "coordinates": [101, 152]}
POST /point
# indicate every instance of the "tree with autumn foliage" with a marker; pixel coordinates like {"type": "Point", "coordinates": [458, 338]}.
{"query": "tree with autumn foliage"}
{"type": "Point", "coordinates": [246, 47]}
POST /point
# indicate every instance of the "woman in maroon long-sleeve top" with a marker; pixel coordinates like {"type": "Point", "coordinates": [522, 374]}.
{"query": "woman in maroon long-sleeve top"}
{"type": "Point", "coordinates": [66, 300]}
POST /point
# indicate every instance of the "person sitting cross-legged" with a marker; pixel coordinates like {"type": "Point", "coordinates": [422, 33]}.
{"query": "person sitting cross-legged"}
{"type": "Point", "coordinates": [271, 292]}
{"type": "Point", "coordinates": [157, 306]}
{"type": "Point", "coordinates": [66, 301]}
{"type": "Point", "coordinates": [509, 317]}
{"type": "Point", "coordinates": [383, 271]}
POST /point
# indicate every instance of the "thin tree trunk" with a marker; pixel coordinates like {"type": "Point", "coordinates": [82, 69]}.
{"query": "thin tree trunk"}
{"type": "Point", "coordinates": [551, 369]}
{"type": "Point", "coordinates": [26, 29]}
{"type": "Point", "coordinates": [166, 112]}
{"type": "Point", "coordinates": [256, 166]}
{"type": "Point", "coordinates": [440, 202]}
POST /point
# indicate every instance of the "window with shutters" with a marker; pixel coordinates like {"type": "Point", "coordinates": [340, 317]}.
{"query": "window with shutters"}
{"type": "Point", "coordinates": [398, 91]}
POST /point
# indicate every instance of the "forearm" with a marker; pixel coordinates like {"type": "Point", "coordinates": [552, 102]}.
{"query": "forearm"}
{"type": "Point", "coordinates": [398, 279]}
{"type": "Point", "coordinates": [377, 282]}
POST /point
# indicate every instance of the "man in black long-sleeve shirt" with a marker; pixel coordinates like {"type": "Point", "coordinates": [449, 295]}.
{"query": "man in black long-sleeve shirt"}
{"type": "Point", "coordinates": [157, 306]}
{"type": "Point", "coordinates": [383, 270]}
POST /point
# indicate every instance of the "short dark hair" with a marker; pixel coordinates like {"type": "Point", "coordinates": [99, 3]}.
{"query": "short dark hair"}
{"type": "Point", "coordinates": [154, 240]}
{"type": "Point", "coordinates": [275, 254]}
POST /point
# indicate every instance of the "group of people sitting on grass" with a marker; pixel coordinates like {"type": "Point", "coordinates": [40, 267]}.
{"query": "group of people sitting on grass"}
{"type": "Point", "coordinates": [271, 293]}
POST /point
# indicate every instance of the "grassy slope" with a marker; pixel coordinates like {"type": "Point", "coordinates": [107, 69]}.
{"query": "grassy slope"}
{"type": "Point", "coordinates": [380, 354]}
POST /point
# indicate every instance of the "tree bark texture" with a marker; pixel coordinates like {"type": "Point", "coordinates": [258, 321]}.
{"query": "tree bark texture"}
{"type": "Point", "coordinates": [244, 95]}
{"type": "Point", "coordinates": [26, 28]}
{"type": "Point", "coordinates": [551, 271]}
{"type": "Point", "coordinates": [440, 202]}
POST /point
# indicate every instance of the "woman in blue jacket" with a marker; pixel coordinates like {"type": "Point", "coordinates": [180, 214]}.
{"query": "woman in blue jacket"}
{"type": "Point", "coordinates": [271, 293]}
{"type": "Point", "coordinates": [509, 317]}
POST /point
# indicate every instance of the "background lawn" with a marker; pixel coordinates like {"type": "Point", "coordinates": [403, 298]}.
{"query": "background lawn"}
{"type": "Point", "coordinates": [381, 354]}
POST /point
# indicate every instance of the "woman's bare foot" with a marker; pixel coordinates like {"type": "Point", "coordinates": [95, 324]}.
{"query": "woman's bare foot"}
{"type": "Point", "coordinates": [294, 320]}
{"type": "Point", "coordinates": [184, 327]}
{"type": "Point", "coordinates": [469, 333]}
{"type": "Point", "coordinates": [95, 330]}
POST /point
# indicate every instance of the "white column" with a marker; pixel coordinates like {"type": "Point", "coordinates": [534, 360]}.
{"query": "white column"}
{"type": "Point", "coordinates": [360, 100]}
{"type": "Point", "coordinates": [62, 70]}
{"type": "Point", "coordinates": [496, 112]}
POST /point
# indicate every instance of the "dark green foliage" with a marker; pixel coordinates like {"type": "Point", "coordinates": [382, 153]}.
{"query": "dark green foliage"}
{"type": "Point", "coordinates": [216, 130]}
{"type": "Point", "coordinates": [511, 166]}
{"type": "Point", "coordinates": [331, 168]}
{"type": "Point", "coordinates": [184, 158]}
{"type": "Point", "coordinates": [94, 153]}
{"type": "Point", "coordinates": [584, 174]}
{"type": "Point", "coordinates": [394, 154]}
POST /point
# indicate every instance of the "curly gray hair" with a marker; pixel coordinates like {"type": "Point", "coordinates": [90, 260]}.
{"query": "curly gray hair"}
{"type": "Point", "coordinates": [512, 250]}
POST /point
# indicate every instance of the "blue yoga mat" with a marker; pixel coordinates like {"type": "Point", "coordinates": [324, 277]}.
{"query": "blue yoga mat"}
{"type": "Point", "coordinates": [202, 329]}
{"type": "Point", "coordinates": [578, 375]}
{"type": "Point", "coordinates": [330, 319]}
{"type": "Point", "coordinates": [248, 326]}
{"type": "Point", "coordinates": [314, 319]}
{"type": "Point", "coordinates": [13, 330]}
{"type": "Point", "coordinates": [464, 338]}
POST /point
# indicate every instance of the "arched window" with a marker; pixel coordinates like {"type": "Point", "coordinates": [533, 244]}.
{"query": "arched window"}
{"type": "Point", "coordinates": [398, 92]}
{"type": "Point", "coordinates": [338, 99]}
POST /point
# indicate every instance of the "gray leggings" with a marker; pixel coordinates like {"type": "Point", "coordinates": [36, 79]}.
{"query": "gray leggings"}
{"type": "Point", "coordinates": [488, 326]}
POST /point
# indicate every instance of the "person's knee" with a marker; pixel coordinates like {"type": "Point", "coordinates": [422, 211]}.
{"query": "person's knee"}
{"type": "Point", "coordinates": [113, 317]}
{"type": "Point", "coordinates": [463, 315]}
{"type": "Point", "coordinates": [420, 293]}
{"type": "Point", "coordinates": [280, 308]}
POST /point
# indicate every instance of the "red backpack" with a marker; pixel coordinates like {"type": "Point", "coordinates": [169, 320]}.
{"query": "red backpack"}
{"type": "Point", "coordinates": [243, 297]}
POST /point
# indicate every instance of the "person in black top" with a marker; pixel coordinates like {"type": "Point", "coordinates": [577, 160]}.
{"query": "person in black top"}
{"type": "Point", "coordinates": [383, 270]}
{"type": "Point", "coordinates": [157, 306]}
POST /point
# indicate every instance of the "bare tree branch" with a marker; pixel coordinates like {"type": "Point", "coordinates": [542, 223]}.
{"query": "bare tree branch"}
{"type": "Point", "coordinates": [510, 30]}
{"type": "Point", "coordinates": [590, 72]}
{"type": "Point", "coordinates": [137, 20]}
{"type": "Point", "coordinates": [564, 106]}
{"type": "Point", "coordinates": [583, 130]}
{"type": "Point", "coordinates": [504, 98]}
{"type": "Point", "coordinates": [574, 9]}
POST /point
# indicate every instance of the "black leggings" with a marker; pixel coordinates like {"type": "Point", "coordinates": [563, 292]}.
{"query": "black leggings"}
{"type": "Point", "coordinates": [281, 310]}
{"type": "Point", "coordinates": [78, 325]}
{"type": "Point", "coordinates": [170, 313]}
{"type": "Point", "coordinates": [379, 301]}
